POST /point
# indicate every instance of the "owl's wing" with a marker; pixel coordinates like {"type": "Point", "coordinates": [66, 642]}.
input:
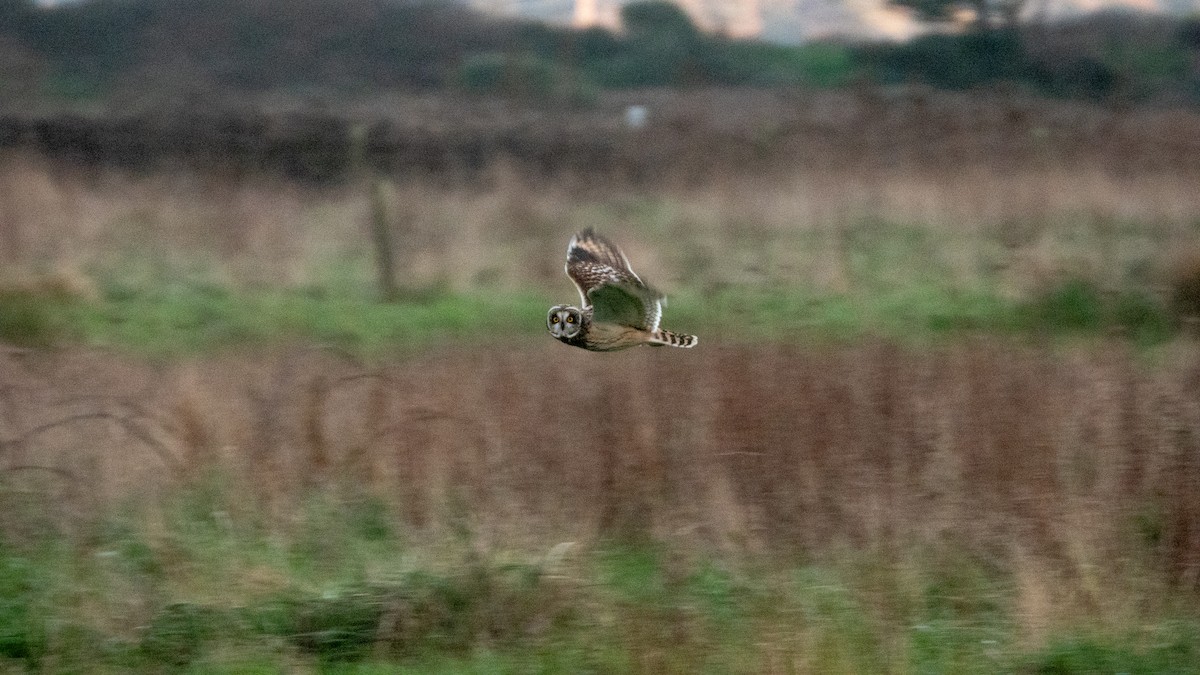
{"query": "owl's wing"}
{"type": "Point", "coordinates": [626, 304]}
{"type": "Point", "coordinates": [609, 285]}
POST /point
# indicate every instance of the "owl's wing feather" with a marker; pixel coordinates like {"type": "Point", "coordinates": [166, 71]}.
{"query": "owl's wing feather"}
{"type": "Point", "coordinates": [626, 304]}
{"type": "Point", "coordinates": [608, 284]}
{"type": "Point", "coordinates": [590, 247]}
{"type": "Point", "coordinates": [593, 260]}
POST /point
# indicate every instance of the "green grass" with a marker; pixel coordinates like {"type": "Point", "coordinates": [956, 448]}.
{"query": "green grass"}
{"type": "Point", "coordinates": [898, 280]}
{"type": "Point", "coordinates": [189, 318]}
{"type": "Point", "coordinates": [32, 319]}
{"type": "Point", "coordinates": [203, 582]}
{"type": "Point", "coordinates": [1172, 647]}
{"type": "Point", "coordinates": [732, 274]}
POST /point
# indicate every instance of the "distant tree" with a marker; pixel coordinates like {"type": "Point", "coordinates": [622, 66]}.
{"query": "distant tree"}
{"type": "Point", "coordinates": [662, 47]}
{"type": "Point", "coordinates": [658, 18]}
{"type": "Point", "coordinates": [988, 14]}
{"type": "Point", "coordinates": [22, 71]}
{"type": "Point", "coordinates": [8, 6]}
{"type": "Point", "coordinates": [13, 8]}
{"type": "Point", "coordinates": [1189, 33]}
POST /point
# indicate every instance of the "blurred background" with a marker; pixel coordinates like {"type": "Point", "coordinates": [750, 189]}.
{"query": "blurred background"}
{"type": "Point", "coordinates": [275, 393]}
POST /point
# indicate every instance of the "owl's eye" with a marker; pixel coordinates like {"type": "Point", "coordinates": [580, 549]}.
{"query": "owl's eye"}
{"type": "Point", "coordinates": [554, 319]}
{"type": "Point", "coordinates": [570, 319]}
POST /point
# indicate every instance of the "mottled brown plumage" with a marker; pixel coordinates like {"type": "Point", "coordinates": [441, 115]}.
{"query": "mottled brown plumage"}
{"type": "Point", "coordinates": [618, 309]}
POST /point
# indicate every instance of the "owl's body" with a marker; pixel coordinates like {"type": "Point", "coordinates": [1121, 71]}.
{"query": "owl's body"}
{"type": "Point", "coordinates": [618, 310]}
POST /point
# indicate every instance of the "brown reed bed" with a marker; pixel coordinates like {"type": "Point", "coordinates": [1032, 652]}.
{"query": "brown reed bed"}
{"type": "Point", "coordinates": [972, 225]}
{"type": "Point", "coordinates": [1077, 458]}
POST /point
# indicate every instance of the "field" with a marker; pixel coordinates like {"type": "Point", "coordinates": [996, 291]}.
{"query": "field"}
{"type": "Point", "coordinates": [942, 419]}
{"type": "Point", "coordinates": [977, 506]}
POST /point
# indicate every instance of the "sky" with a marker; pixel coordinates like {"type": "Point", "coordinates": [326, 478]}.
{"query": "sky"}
{"type": "Point", "coordinates": [799, 20]}
{"type": "Point", "coordinates": [788, 21]}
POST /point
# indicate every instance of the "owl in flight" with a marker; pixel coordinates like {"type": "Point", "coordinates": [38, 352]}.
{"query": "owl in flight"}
{"type": "Point", "coordinates": [618, 310]}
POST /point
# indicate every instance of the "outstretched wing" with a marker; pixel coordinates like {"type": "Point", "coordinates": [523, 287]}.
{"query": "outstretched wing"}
{"type": "Point", "coordinates": [627, 305]}
{"type": "Point", "coordinates": [609, 285]}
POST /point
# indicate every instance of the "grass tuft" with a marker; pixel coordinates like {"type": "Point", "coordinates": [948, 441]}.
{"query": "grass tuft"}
{"type": "Point", "coordinates": [23, 634]}
{"type": "Point", "coordinates": [1174, 652]}
{"type": "Point", "coordinates": [30, 319]}
{"type": "Point", "coordinates": [1184, 281]}
{"type": "Point", "coordinates": [178, 634]}
{"type": "Point", "coordinates": [1075, 304]}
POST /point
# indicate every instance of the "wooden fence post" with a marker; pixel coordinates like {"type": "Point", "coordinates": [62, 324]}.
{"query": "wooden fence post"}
{"type": "Point", "coordinates": [381, 221]}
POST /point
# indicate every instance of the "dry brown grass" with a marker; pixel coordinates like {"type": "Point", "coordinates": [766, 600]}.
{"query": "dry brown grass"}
{"type": "Point", "coordinates": [977, 223]}
{"type": "Point", "coordinates": [1072, 466]}
{"type": "Point", "coordinates": [748, 186]}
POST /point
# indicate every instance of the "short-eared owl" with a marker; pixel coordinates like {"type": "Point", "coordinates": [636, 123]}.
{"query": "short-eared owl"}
{"type": "Point", "coordinates": [619, 311]}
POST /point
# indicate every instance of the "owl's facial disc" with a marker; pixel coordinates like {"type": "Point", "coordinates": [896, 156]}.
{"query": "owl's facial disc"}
{"type": "Point", "coordinates": [563, 321]}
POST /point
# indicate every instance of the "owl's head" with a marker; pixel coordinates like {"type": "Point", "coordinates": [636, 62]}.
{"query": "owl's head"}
{"type": "Point", "coordinates": [564, 322]}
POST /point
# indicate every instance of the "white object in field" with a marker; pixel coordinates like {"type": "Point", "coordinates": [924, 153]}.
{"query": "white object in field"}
{"type": "Point", "coordinates": [635, 116]}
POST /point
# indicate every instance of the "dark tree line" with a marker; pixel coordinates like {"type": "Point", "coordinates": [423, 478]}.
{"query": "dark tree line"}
{"type": "Point", "coordinates": [171, 47]}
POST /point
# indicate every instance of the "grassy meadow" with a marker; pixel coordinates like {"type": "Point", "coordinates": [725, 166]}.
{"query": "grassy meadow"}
{"type": "Point", "coordinates": [160, 267]}
{"type": "Point", "coordinates": [970, 507]}
{"type": "Point", "coordinates": [942, 418]}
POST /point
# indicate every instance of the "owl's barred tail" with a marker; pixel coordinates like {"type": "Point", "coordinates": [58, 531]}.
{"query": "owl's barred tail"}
{"type": "Point", "coordinates": [666, 337]}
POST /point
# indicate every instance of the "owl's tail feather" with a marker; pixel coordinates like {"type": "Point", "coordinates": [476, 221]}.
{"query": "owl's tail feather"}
{"type": "Point", "coordinates": [665, 337]}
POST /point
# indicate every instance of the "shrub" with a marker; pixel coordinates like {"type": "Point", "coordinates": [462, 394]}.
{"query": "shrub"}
{"type": "Point", "coordinates": [178, 633]}
{"type": "Point", "coordinates": [1143, 315]}
{"type": "Point", "coordinates": [814, 64]}
{"type": "Point", "coordinates": [22, 632]}
{"type": "Point", "coordinates": [657, 18]}
{"type": "Point", "coordinates": [1075, 77]}
{"type": "Point", "coordinates": [1173, 652]}
{"type": "Point", "coordinates": [33, 310]}
{"type": "Point", "coordinates": [1184, 282]}
{"type": "Point", "coordinates": [28, 319]}
{"type": "Point", "coordinates": [1074, 304]}
{"type": "Point", "coordinates": [1078, 304]}
{"type": "Point", "coordinates": [952, 61]}
{"type": "Point", "coordinates": [338, 626]}
{"type": "Point", "coordinates": [825, 64]}
{"type": "Point", "coordinates": [525, 77]}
